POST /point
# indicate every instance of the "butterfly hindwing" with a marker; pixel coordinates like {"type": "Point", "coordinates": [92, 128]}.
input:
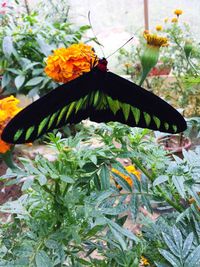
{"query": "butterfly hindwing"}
{"type": "Point", "coordinates": [139, 107]}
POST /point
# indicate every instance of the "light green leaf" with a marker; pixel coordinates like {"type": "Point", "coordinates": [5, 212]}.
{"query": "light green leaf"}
{"type": "Point", "coordinates": [160, 179]}
{"type": "Point", "coordinates": [35, 81]}
{"type": "Point", "coordinates": [42, 259]}
{"type": "Point", "coordinates": [19, 80]}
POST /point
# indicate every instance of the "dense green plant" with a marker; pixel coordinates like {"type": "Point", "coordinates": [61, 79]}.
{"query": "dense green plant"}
{"type": "Point", "coordinates": [25, 42]}
{"type": "Point", "coordinates": [71, 207]}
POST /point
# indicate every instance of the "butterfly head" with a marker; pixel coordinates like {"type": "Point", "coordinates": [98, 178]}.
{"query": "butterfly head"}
{"type": "Point", "coordinates": [102, 64]}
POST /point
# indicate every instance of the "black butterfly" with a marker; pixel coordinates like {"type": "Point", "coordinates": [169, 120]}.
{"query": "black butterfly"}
{"type": "Point", "coordinates": [99, 95]}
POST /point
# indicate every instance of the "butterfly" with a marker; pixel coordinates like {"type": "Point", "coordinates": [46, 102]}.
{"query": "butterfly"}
{"type": "Point", "coordinates": [99, 95]}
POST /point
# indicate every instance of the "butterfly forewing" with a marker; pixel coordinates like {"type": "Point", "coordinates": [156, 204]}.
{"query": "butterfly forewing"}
{"type": "Point", "coordinates": [139, 107]}
{"type": "Point", "coordinates": [65, 104]}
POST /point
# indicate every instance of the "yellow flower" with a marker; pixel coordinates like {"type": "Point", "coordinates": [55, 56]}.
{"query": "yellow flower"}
{"type": "Point", "coordinates": [155, 40]}
{"type": "Point", "coordinates": [178, 12]}
{"type": "Point", "coordinates": [159, 28]}
{"type": "Point", "coordinates": [144, 261]}
{"type": "Point", "coordinates": [66, 64]}
{"type": "Point", "coordinates": [8, 109]}
{"type": "Point", "coordinates": [128, 65]}
{"type": "Point", "coordinates": [131, 169]}
{"type": "Point", "coordinates": [166, 20]}
{"type": "Point", "coordinates": [174, 20]}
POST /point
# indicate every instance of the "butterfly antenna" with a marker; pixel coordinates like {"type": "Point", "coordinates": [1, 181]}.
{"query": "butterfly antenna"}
{"type": "Point", "coordinates": [100, 45]}
{"type": "Point", "coordinates": [120, 47]}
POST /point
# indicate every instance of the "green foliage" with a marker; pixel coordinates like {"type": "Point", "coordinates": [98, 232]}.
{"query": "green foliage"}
{"type": "Point", "coordinates": [71, 209]}
{"type": "Point", "coordinates": [25, 42]}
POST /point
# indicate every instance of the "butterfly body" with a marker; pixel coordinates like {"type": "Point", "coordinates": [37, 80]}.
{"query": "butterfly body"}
{"type": "Point", "coordinates": [99, 95]}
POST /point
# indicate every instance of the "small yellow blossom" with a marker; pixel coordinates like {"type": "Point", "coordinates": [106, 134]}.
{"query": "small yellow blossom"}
{"type": "Point", "coordinates": [178, 12]}
{"type": "Point", "coordinates": [155, 40]}
{"type": "Point", "coordinates": [159, 28]}
{"type": "Point", "coordinates": [166, 20]}
{"type": "Point", "coordinates": [128, 65]}
{"type": "Point", "coordinates": [66, 64]}
{"type": "Point", "coordinates": [174, 20]}
{"type": "Point", "coordinates": [8, 109]}
{"type": "Point", "coordinates": [144, 261]}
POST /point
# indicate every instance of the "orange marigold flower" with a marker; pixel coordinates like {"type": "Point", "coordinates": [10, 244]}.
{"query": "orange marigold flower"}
{"type": "Point", "coordinates": [159, 27]}
{"type": "Point", "coordinates": [178, 12]}
{"type": "Point", "coordinates": [133, 170]}
{"type": "Point", "coordinates": [66, 64]}
{"type": "Point", "coordinates": [8, 109]}
{"type": "Point", "coordinates": [144, 261]}
{"type": "Point", "coordinates": [174, 20]}
{"type": "Point", "coordinates": [130, 169]}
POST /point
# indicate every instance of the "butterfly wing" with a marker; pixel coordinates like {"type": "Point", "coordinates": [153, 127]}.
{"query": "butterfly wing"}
{"type": "Point", "coordinates": [130, 104]}
{"type": "Point", "coordinates": [67, 103]}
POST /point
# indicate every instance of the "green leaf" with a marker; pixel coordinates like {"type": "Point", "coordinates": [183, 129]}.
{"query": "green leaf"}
{"type": "Point", "coordinates": [193, 260]}
{"type": "Point", "coordinates": [169, 257]}
{"type": "Point", "coordinates": [160, 179]}
{"type": "Point", "coordinates": [67, 179]}
{"type": "Point", "coordinates": [7, 46]}
{"type": "Point", "coordinates": [118, 237]}
{"type": "Point", "coordinates": [35, 81]}
{"type": "Point", "coordinates": [104, 177]}
{"type": "Point", "coordinates": [134, 205]}
{"type": "Point", "coordinates": [121, 230]}
{"type": "Point", "coordinates": [178, 238]}
{"type": "Point", "coordinates": [28, 183]}
{"type": "Point", "coordinates": [187, 245]}
{"type": "Point", "coordinates": [43, 260]}
{"type": "Point", "coordinates": [19, 80]}
{"type": "Point", "coordinates": [171, 245]}
{"type": "Point", "coordinates": [5, 80]}
{"type": "Point", "coordinates": [42, 179]}
{"type": "Point", "coordinates": [179, 184]}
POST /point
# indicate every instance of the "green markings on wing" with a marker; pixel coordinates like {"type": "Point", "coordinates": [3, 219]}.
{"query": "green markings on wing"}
{"type": "Point", "coordinates": [61, 115]}
{"type": "Point", "coordinates": [29, 132]}
{"type": "Point", "coordinates": [136, 114]}
{"type": "Point", "coordinates": [42, 124]}
{"type": "Point", "coordinates": [147, 118]}
{"type": "Point", "coordinates": [52, 119]}
{"type": "Point", "coordinates": [174, 128]}
{"type": "Point", "coordinates": [157, 121]}
{"type": "Point", "coordinates": [166, 125]}
{"type": "Point", "coordinates": [18, 135]}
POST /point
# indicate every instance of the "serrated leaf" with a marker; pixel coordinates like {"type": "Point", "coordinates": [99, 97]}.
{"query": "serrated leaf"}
{"type": "Point", "coordinates": [169, 257]}
{"type": "Point", "coordinates": [160, 179]}
{"type": "Point", "coordinates": [187, 245]}
{"type": "Point", "coordinates": [121, 230]}
{"type": "Point", "coordinates": [179, 184]}
{"type": "Point", "coordinates": [171, 245]}
{"type": "Point", "coordinates": [134, 205]}
{"type": "Point", "coordinates": [105, 177]}
{"type": "Point", "coordinates": [118, 237]}
{"type": "Point", "coordinates": [193, 260]}
{"type": "Point", "coordinates": [178, 238]}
